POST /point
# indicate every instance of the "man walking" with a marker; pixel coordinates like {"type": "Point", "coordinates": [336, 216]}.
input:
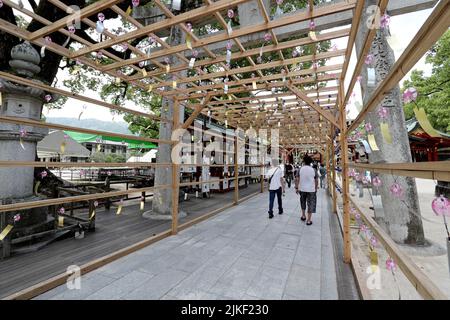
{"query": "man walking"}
{"type": "Point", "coordinates": [306, 182]}
{"type": "Point", "coordinates": [323, 174]}
{"type": "Point", "coordinates": [289, 174]}
{"type": "Point", "coordinates": [276, 187]}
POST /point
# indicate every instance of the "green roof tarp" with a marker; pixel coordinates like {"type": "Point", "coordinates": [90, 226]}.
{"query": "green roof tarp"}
{"type": "Point", "coordinates": [132, 144]}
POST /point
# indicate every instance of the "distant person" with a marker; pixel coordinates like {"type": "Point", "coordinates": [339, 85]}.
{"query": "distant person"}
{"type": "Point", "coordinates": [276, 187]}
{"type": "Point", "coordinates": [323, 174]}
{"type": "Point", "coordinates": [289, 176]}
{"type": "Point", "coordinates": [306, 183]}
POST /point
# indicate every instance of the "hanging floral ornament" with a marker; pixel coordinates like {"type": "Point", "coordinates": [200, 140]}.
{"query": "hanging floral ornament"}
{"type": "Point", "coordinates": [228, 55]}
{"type": "Point", "coordinates": [99, 27]}
{"type": "Point", "coordinates": [376, 182]}
{"type": "Point", "coordinates": [225, 86]}
{"type": "Point", "coordinates": [61, 210]}
{"type": "Point", "coordinates": [43, 174]}
{"type": "Point", "coordinates": [410, 95]}
{"type": "Point", "coordinates": [119, 207]}
{"type": "Point", "coordinates": [391, 265]}
{"type": "Point", "coordinates": [368, 126]}
{"type": "Point", "coordinates": [142, 203]}
{"type": "Point", "coordinates": [22, 134]}
{"type": "Point", "coordinates": [48, 98]}
{"type": "Point", "coordinates": [373, 241]}
{"type": "Point", "coordinates": [385, 21]}
{"type": "Point", "coordinates": [167, 61]}
{"type": "Point", "coordinates": [383, 113]}
{"type": "Point", "coordinates": [312, 30]}
{"type": "Point", "coordinates": [47, 41]}
{"type": "Point", "coordinates": [194, 55]}
{"type": "Point", "coordinates": [279, 11]}
{"type": "Point", "coordinates": [441, 206]}
{"type": "Point", "coordinates": [369, 60]}
{"type": "Point", "coordinates": [71, 30]}
{"type": "Point", "coordinates": [230, 15]}
{"type": "Point", "coordinates": [1, 3]}
{"type": "Point", "coordinates": [254, 82]}
{"type": "Point", "coordinates": [135, 3]}
{"type": "Point", "coordinates": [174, 82]}
{"type": "Point", "coordinates": [283, 74]}
{"type": "Point", "coordinates": [189, 36]}
{"type": "Point", "coordinates": [396, 190]}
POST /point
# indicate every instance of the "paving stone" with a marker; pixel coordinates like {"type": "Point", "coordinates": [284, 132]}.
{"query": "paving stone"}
{"type": "Point", "coordinates": [269, 283]}
{"type": "Point", "coordinates": [280, 258]}
{"type": "Point", "coordinates": [303, 283]}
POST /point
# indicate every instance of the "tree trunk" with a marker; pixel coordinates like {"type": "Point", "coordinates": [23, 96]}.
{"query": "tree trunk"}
{"type": "Point", "coordinates": [401, 218]}
{"type": "Point", "coordinates": [162, 199]}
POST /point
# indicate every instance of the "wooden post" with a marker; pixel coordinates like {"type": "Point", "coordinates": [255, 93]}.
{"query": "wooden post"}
{"type": "Point", "coordinates": [327, 162]}
{"type": "Point", "coordinates": [333, 172]}
{"type": "Point", "coordinates": [345, 185]}
{"type": "Point", "coordinates": [175, 168]}
{"type": "Point", "coordinates": [107, 189]}
{"type": "Point", "coordinates": [236, 173]}
{"type": "Point", "coordinates": [6, 243]}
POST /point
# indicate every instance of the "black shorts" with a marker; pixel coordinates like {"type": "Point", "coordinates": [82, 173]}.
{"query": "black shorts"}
{"type": "Point", "coordinates": [309, 198]}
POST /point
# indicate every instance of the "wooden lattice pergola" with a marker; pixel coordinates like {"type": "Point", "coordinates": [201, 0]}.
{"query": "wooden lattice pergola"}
{"type": "Point", "coordinates": [307, 105]}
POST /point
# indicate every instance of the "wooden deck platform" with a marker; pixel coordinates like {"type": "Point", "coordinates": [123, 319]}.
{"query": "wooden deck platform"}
{"type": "Point", "coordinates": [112, 233]}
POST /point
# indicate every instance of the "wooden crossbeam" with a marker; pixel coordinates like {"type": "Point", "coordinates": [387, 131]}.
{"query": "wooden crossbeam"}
{"type": "Point", "coordinates": [164, 24]}
{"type": "Point", "coordinates": [326, 114]}
{"type": "Point", "coordinates": [83, 13]}
{"type": "Point", "coordinates": [302, 16]}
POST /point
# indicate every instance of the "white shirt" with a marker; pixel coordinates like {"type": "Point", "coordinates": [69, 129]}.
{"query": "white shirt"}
{"type": "Point", "coordinates": [277, 173]}
{"type": "Point", "coordinates": [307, 179]}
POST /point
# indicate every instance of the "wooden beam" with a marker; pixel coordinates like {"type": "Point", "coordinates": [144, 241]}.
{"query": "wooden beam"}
{"type": "Point", "coordinates": [301, 16]}
{"type": "Point", "coordinates": [326, 114]}
{"type": "Point", "coordinates": [196, 112]}
{"type": "Point", "coordinates": [76, 16]}
{"type": "Point", "coordinates": [164, 24]}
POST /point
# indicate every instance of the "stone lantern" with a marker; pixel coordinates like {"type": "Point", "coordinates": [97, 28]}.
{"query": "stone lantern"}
{"type": "Point", "coordinates": [18, 142]}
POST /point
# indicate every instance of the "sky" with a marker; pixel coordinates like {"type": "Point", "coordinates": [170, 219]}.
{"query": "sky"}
{"type": "Point", "coordinates": [403, 29]}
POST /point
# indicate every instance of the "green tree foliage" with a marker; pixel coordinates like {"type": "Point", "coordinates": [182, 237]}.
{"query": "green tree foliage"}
{"type": "Point", "coordinates": [434, 91]}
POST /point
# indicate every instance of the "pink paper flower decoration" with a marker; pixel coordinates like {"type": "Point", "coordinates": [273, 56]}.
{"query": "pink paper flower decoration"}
{"type": "Point", "coordinates": [279, 2]}
{"type": "Point", "coordinates": [396, 190]}
{"type": "Point", "coordinates": [385, 21]}
{"type": "Point", "coordinates": [230, 13]}
{"type": "Point", "coordinates": [294, 54]}
{"type": "Point", "coordinates": [61, 210]}
{"type": "Point", "coordinates": [43, 174]}
{"type": "Point", "coordinates": [1, 3]}
{"type": "Point", "coordinates": [368, 127]}
{"type": "Point", "coordinates": [359, 78]}
{"type": "Point", "coordinates": [96, 203]}
{"type": "Point", "coordinates": [383, 112]}
{"type": "Point", "coordinates": [364, 228]}
{"type": "Point", "coordinates": [109, 173]}
{"type": "Point", "coordinates": [48, 98]}
{"type": "Point", "coordinates": [312, 25]}
{"type": "Point", "coordinates": [71, 29]}
{"type": "Point", "coordinates": [135, 3]}
{"type": "Point", "coordinates": [357, 216]}
{"type": "Point", "coordinates": [373, 241]}
{"type": "Point", "coordinates": [189, 26]}
{"type": "Point", "coordinates": [376, 181]}
{"type": "Point", "coordinates": [390, 264]}
{"type": "Point", "coordinates": [48, 40]}
{"type": "Point", "coordinates": [267, 37]}
{"type": "Point", "coordinates": [441, 206]}
{"type": "Point", "coordinates": [410, 95]}
{"type": "Point", "coordinates": [17, 217]}
{"type": "Point", "coordinates": [101, 17]}
{"type": "Point", "coordinates": [370, 58]}
{"type": "Point", "coordinates": [229, 45]}
{"type": "Point", "coordinates": [22, 133]}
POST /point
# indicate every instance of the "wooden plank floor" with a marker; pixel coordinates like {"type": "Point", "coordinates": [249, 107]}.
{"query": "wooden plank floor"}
{"type": "Point", "coordinates": [112, 233]}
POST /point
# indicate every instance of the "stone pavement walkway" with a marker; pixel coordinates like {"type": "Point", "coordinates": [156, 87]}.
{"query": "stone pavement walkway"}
{"type": "Point", "coordinates": [238, 254]}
